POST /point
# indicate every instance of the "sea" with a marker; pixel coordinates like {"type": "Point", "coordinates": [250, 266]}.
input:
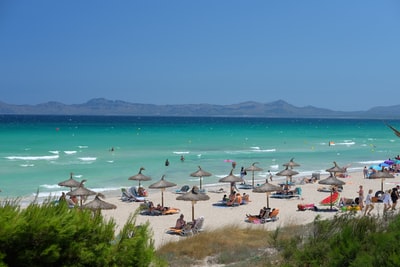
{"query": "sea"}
{"type": "Point", "coordinates": [38, 152]}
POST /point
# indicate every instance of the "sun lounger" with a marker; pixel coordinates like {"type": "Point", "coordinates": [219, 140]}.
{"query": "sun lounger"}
{"type": "Point", "coordinates": [285, 196]}
{"type": "Point", "coordinates": [189, 229]}
{"type": "Point", "coordinates": [184, 189]}
{"type": "Point", "coordinates": [127, 196]}
{"type": "Point", "coordinates": [269, 216]}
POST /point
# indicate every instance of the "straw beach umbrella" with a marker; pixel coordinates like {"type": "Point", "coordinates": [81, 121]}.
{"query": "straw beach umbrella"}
{"type": "Point", "coordinates": [200, 173]}
{"type": "Point", "coordinates": [140, 177]}
{"type": "Point", "coordinates": [331, 180]}
{"type": "Point", "coordinates": [162, 184]}
{"type": "Point", "coordinates": [193, 195]}
{"type": "Point", "coordinates": [291, 164]}
{"type": "Point", "coordinates": [381, 175]}
{"type": "Point", "coordinates": [267, 188]}
{"type": "Point", "coordinates": [98, 204]}
{"type": "Point", "coordinates": [288, 173]}
{"type": "Point", "coordinates": [253, 168]}
{"type": "Point", "coordinates": [81, 192]}
{"type": "Point", "coordinates": [336, 169]}
{"type": "Point", "coordinates": [231, 178]}
{"type": "Point", "coordinates": [71, 182]}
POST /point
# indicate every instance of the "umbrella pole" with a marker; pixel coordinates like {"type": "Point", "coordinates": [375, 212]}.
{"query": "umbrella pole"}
{"type": "Point", "coordinates": [267, 200]}
{"type": "Point", "coordinates": [253, 179]}
{"type": "Point", "coordinates": [162, 197]}
{"type": "Point", "coordinates": [382, 184]}
{"type": "Point", "coordinates": [193, 210]}
{"type": "Point", "coordinates": [200, 181]}
{"type": "Point", "coordinates": [331, 199]}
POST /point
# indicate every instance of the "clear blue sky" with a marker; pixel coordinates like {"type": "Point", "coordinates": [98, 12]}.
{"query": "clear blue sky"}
{"type": "Point", "coordinates": [342, 55]}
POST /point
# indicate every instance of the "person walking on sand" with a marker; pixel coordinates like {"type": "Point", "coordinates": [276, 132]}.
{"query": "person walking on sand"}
{"type": "Point", "coordinates": [369, 205]}
{"type": "Point", "coordinates": [365, 172]}
{"type": "Point", "coordinates": [361, 197]}
{"type": "Point", "coordinates": [270, 175]}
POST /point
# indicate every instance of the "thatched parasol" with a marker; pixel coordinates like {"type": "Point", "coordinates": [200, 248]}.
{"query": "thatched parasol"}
{"type": "Point", "coordinates": [288, 173]}
{"type": "Point", "coordinates": [98, 204]}
{"type": "Point", "coordinates": [140, 177]}
{"type": "Point", "coordinates": [162, 184]}
{"type": "Point", "coordinates": [193, 195]}
{"type": "Point", "coordinates": [331, 180]}
{"type": "Point", "coordinates": [200, 173]}
{"type": "Point", "coordinates": [81, 192]}
{"type": "Point", "coordinates": [231, 178]}
{"type": "Point", "coordinates": [71, 182]}
{"type": "Point", "coordinates": [336, 169]}
{"type": "Point", "coordinates": [267, 188]}
{"type": "Point", "coordinates": [381, 175]}
{"type": "Point", "coordinates": [253, 168]}
{"type": "Point", "coordinates": [291, 164]}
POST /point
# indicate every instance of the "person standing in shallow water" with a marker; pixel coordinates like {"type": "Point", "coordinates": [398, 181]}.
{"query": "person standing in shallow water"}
{"type": "Point", "coordinates": [167, 163]}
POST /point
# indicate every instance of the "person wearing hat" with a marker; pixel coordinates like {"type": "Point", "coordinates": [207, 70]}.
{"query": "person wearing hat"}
{"type": "Point", "coordinates": [180, 222]}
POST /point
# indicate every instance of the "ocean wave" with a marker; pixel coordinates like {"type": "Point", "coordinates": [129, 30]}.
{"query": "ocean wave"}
{"type": "Point", "coordinates": [181, 152]}
{"type": "Point", "coordinates": [82, 146]}
{"type": "Point", "coordinates": [32, 157]}
{"type": "Point", "coordinates": [70, 152]}
{"type": "Point", "coordinates": [50, 186]}
{"type": "Point", "coordinates": [54, 152]}
{"type": "Point", "coordinates": [27, 165]}
{"type": "Point", "coordinates": [88, 159]}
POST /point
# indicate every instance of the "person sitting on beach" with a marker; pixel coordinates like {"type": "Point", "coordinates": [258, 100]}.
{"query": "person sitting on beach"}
{"type": "Point", "coordinates": [246, 198]}
{"type": "Point", "coordinates": [72, 201]}
{"type": "Point", "coordinates": [231, 199]}
{"type": "Point", "coordinates": [225, 198]}
{"type": "Point", "coordinates": [142, 192]}
{"type": "Point", "coordinates": [238, 199]}
{"type": "Point", "coordinates": [62, 198]}
{"type": "Point", "coordinates": [180, 222]}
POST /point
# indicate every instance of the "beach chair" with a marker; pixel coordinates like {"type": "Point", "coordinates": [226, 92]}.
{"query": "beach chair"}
{"type": "Point", "coordinates": [184, 189]}
{"type": "Point", "coordinates": [127, 196]}
{"type": "Point", "coordinates": [196, 228]}
{"type": "Point", "coordinates": [272, 216]}
{"type": "Point", "coordinates": [133, 191]}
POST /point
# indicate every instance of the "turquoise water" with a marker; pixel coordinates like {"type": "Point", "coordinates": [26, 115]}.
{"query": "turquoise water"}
{"type": "Point", "coordinates": [37, 152]}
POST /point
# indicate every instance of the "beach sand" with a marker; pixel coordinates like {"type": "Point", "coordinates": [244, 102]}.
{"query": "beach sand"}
{"type": "Point", "coordinates": [216, 216]}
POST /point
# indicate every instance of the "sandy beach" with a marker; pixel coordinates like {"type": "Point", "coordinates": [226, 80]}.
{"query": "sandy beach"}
{"type": "Point", "coordinates": [217, 216]}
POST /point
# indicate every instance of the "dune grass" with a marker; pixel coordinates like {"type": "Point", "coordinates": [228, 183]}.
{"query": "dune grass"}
{"type": "Point", "coordinates": [228, 245]}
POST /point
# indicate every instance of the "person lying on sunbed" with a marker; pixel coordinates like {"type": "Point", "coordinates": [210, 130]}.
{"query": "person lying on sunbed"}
{"type": "Point", "coordinates": [264, 211]}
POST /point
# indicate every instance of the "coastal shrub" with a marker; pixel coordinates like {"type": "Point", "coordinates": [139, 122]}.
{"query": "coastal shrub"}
{"type": "Point", "coordinates": [52, 234]}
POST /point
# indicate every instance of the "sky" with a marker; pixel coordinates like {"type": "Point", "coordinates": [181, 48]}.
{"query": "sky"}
{"type": "Point", "coordinates": [341, 55]}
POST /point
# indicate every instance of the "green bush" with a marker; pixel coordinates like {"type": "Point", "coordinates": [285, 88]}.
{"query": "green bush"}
{"type": "Point", "coordinates": [52, 234]}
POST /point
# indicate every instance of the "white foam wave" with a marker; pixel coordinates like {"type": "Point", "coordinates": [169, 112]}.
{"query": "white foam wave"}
{"type": "Point", "coordinates": [181, 152]}
{"type": "Point", "coordinates": [27, 165]}
{"type": "Point", "coordinates": [88, 159]}
{"type": "Point", "coordinates": [33, 157]}
{"type": "Point", "coordinates": [82, 146]}
{"type": "Point", "coordinates": [50, 186]}
{"type": "Point", "coordinates": [110, 161]}
{"type": "Point", "coordinates": [54, 152]}
{"type": "Point", "coordinates": [371, 162]}
{"type": "Point", "coordinates": [70, 152]}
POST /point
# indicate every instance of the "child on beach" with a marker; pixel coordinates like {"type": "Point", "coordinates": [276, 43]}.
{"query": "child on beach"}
{"type": "Point", "coordinates": [369, 205]}
{"type": "Point", "coordinates": [361, 197]}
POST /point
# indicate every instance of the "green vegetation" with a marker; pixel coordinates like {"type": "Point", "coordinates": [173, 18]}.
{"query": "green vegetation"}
{"type": "Point", "coordinates": [51, 234]}
{"type": "Point", "coordinates": [346, 240]}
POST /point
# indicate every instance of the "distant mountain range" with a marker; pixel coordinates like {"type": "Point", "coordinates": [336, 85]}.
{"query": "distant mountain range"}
{"type": "Point", "coordinates": [277, 109]}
